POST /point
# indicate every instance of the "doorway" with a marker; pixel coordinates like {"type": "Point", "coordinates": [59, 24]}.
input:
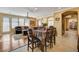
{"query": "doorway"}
{"type": "Point", "coordinates": [69, 21]}
{"type": "Point", "coordinates": [70, 28]}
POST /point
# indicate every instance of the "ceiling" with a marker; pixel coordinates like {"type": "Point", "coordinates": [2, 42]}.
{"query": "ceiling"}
{"type": "Point", "coordinates": [32, 11]}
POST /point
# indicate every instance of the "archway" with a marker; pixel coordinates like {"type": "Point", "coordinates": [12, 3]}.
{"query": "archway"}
{"type": "Point", "coordinates": [69, 21]}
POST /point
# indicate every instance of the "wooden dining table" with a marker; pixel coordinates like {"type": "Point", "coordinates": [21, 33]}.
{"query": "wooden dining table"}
{"type": "Point", "coordinates": [41, 34]}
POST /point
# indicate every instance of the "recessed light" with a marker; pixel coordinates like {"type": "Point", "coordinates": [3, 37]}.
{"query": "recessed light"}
{"type": "Point", "coordinates": [59, 8]}
{"type": "Point", "coordinates": [36, 8]}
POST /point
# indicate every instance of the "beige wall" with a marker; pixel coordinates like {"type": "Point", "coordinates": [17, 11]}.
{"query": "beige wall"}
{"type": "Point", "coordinates": [78, 23]}
{"type": "Point", "coordinates": [58, 24]}
{"type": "Point", "coordinates": [1, 20]}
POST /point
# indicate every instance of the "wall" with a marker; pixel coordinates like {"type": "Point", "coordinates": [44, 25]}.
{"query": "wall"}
{"type": "Point", "coordinates": [78, 23]}
{"type": "Point", "coordinates": [58, 24]}
{"type": "Point", "coordinates": [1, 18]}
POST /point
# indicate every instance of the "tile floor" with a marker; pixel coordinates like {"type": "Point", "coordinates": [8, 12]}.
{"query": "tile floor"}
{"type": "Point", "coordinates": [66, 43]}
{"type": "Point", "coordinates": [8, 43]}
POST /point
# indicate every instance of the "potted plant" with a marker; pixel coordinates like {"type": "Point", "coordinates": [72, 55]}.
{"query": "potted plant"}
{"type": "Point", "coordinates": [45, 25]}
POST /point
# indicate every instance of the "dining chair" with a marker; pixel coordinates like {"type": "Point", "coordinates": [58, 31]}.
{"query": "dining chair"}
{"type": "Point", "coordinates": [48, 39]}
{"type": "Point", "coordinates": [54, 33]}
{"type": "Point", "coordinates": [33, 41]}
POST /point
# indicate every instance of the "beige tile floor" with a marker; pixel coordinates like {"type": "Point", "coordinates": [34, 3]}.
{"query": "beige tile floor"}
{"type": "Point", "coordinates": [8, 43]}
{"type": "Point", "coordinates": [66, 43]}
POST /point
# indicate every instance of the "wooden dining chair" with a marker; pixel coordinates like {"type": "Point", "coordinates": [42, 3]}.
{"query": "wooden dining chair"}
{"type": "Point", "coordinates": [48, 39]}
{"type": "Point", "coordinates": [54, 32]}
{"type": "Point", "coordinates": [54, 35]}
{"type": "Point", "coordinates": [33, 41]}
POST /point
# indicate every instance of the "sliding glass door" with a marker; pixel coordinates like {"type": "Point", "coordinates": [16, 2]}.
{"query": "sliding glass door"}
{"type": "Point", "coordinates": [27, 22]}
{"type": "Point", "coordinates": [6, 24]}
{"type": "Point", "coordinates": [21, 21]}
{"type": "Point", "coordinates": [9, 23]}
{"type": "Point", "coordinates": [14, 22]}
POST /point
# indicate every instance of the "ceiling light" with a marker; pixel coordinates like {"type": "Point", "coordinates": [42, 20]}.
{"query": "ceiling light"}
{"type": "Point", "coordinates": [35, 8]}
{"type": "Point", "coordinates": [59, 8]}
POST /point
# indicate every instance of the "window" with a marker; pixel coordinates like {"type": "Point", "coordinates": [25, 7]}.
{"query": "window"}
{"type": "Point", "coordinates": [14, 22]}
{"type": "Point", "coordinates": [21, 21]}
{"type": "Point", "coordinates": [6, 24]}
{"type": "Point", "coordinates": [27, 22]}
{"type": "Point", "coordinates": [39, 23]}
{"type": "Point", "coordinates": [50, 22]}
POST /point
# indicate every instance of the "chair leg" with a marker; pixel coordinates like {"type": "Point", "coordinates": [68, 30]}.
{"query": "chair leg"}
{"type": "Point", "coordinates": [45, 45]}
{"type": "Point", "coordinates": [32, 49]}
{"type": "Point", "coordinates": [28, 46]}
{"type": "Point", "coordinates": [51, 43]}
{"type": "Point", "coordinates": [35, 44]}
{"type": "Point", "coordinates": [54, 40]}
{"type": "Point", "coordinates": [42, 47]}
{"type": "Point", "coordinates": [32, 46]}
{"type": "Point", "coordinates": [46, 48]}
